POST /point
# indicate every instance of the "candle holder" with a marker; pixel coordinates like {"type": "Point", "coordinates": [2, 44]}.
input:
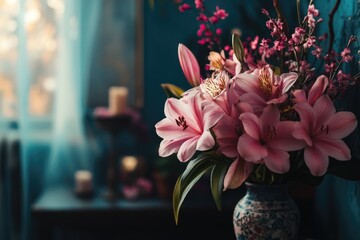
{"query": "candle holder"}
{"type": "Point", "coordinates": [113, 124]}
{"type": "Point", "coordinates": [83, 184]}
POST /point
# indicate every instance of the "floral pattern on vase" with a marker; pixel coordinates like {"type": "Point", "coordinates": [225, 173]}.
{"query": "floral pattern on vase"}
{"type": "Point", "coordinates": [266, 212]}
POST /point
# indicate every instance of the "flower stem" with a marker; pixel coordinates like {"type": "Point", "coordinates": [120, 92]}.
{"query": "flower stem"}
{"type": "Point", "coordinates": [331, 26]}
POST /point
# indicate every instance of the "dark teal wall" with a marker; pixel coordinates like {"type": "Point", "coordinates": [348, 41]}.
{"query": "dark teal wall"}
{"type": "Point", "coordinates": [338, 200]}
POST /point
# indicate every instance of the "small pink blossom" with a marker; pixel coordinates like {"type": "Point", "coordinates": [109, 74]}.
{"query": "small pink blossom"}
{"type": "Point", "coordinates": [323, 37]}
{"type": "Point", "coordinates": [184, 7]}
{"type": "Point", "coordinates": [208, 33]}
{"type": "Point", "coordinates": [317, 52]}
{"type": "Point", "coordinates": [218, 31]}
{"type": "Point", "coordinates": [346, 55]}
{"type": "Point", "coordinates": [312, 10]}
{"type": "Point", "coordinates": [292, 65]}
{"type": "Point", "coordinates": [201, 41]}
{"type": "Point", "coordinates": [264, 11]}
{"type": "Point", "coordinates": [213, 19]}
{"type": "Point", "coordinates": [311, 21]}
{"type": "Point", "coordinates": [220, 13]}
{"type": "Point", "coordinates": [310, 42]}
{"type": "Point", "coordinates": [199, 4]}
{"type": "Point", "coordinates": [202, 18]}
{"type": "Point", "coordinates": [305, 67]}
{"type": "Point", "coordinates": [329, 67]}
{"type": "Point", "coordinates": [202, 28]}
{"type": "Point", "coordinates": [254, 43]}
{"type": "Point", "coordinates": [279, 45]}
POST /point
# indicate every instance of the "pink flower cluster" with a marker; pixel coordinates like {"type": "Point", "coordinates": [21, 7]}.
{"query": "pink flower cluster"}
{"type": "Point", "coordinates": [208, 33]}
{"type": "Point", "coordinates": [293, 47]}
{"type": "Point", "coordinates": [257, 113]}
{"type": "Point", "coordinates": [245, 117]}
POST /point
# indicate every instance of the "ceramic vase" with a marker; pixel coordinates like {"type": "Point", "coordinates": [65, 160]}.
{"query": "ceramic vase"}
{"type": "Point", "coordinates": [266, 212]}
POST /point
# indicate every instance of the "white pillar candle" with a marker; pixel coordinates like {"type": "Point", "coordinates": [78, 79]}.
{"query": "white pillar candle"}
{"type": "Point", "coordinates": [118, 100]}
{"type": "Point", "coordinates": [83, 181]}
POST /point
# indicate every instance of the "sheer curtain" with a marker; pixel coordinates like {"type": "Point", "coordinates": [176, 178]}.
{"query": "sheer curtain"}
{"type": "Point", "coordinates": [51, 148]}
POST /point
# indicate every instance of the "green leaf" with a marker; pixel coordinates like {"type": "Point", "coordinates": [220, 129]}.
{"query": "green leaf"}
{"type": "Point", "coordinates": [238, 48]}
{"type": "Point", "coordinates": [171, 90]}
{"type": "Point", "coordinates": [217, 183]}
{"type": "Point", "coordinates": [193, 172]}
{"type": "Point", "coordinates": [277, 71]}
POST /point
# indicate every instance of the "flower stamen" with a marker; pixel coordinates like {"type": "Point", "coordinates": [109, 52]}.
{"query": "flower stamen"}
{"type": "Point", "coordinates": [324, 129]}
{"type": "Point", "coordinates": [265, 82]}
{"type": "Point", "coordinates": [214, 86]}
{"type": "Point", "coordinates": [181, 122]}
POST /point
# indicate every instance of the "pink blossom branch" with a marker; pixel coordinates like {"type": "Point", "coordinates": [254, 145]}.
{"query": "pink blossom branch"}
{"type": "Point", "coordinates": [281, 16]}
{"type": "Point", "coordinates": [285, 30]}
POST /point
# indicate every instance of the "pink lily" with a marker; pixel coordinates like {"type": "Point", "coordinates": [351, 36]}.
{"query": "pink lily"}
{"type": "Point", "coordinates": [215, 89]}
{"type": "Point", "coordinates": [218, 62]}
{"type": "Point", "coordinates": [316, 90]}
{"type": "Point", "coordinates": [322, 129]}
{"type": "Point", "coordinates": [186, 127]}
{"type": "Point", "coordinates": [227, 132]}
{"type": "Point", "coordinates": [267, 139]}
{"type": "Point", "coordinates": [189, 65]}
{"type": "Point", "coordinates": [263, 87]}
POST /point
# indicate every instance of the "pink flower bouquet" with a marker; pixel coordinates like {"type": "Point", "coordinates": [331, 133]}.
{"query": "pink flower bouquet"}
{"type": "Point", "coordinates": [264, 113]}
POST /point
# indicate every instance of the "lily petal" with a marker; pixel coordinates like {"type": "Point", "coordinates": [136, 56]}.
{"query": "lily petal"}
{"type": "Point", "coordinates": [316, 160]}
{"type": "Point", "coordinates": [205, 142]}
{"type": "Point", "coordinates": [307, 116]}
{"type": "Point", "coordinates": [284, 139]}
{"type": "Point", "coordinates": [341, 124]}
{"type": "Point", "coordinates": [324, 109]}
{"type": "Point", "coordinates": [287, 81]}
{"type": "Point", "coordinates": [212, 114]}
{"type": "Point", "coordinates": [335, 148]}
{"type": "Point", "coordinates": [237, 173]}
{"type": "Point", "coordinates": [187, 150]}
{"type": "Point", "coordinates": [270, 117]}
{"type": "Point", "coordinates": [278, 100]}
{"type": "Point", "coordinates": [277, 161]}
{"type": "Point", "coordinates": [189, 65]}
{"type": "Point", "coordinates": [175, 108]}
{"type": "Point", "coordinates": [250, 149]}
{"type": "Point", "coordinates": [168, 147]}
{"type": "Point", "coordinates": [248, 83]}
{"type": "Point", "coordinates": [256, 102]}
{"type": "Point", "coordinates": [302, 134]}
{"type": "Point", "coordinates": [300, 96]}
{"type": "Point", "coordinates": [251, 125]}
{"type": "Point", "coordinates": [317, 89]}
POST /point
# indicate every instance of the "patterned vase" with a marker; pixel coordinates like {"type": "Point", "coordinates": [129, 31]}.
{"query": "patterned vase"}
{"type": "Point", "coordinates": [266, 212]}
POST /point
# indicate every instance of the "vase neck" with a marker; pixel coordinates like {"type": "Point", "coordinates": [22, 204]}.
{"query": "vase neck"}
{"type": "Point", "coordinates": [268, 192]}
